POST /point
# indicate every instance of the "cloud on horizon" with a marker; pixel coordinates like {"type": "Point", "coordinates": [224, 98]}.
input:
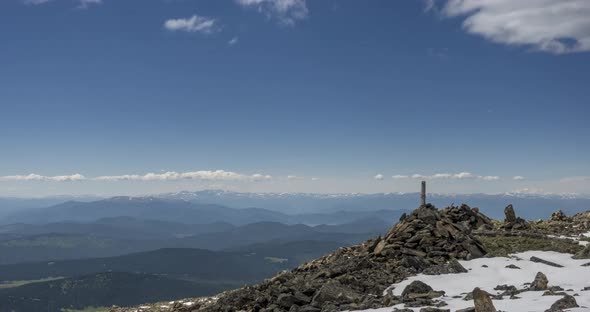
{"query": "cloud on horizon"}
{"type": "Point", "coordinates": [451, 176]}
{"type": "Point", "coordinates": [37, 177]}
{"type": "Point", "coordinates": [205, 175]}
{"type": "Point", "coordinates": [544, 25]}
{"type": "Point", "coordinates": [219, 175]}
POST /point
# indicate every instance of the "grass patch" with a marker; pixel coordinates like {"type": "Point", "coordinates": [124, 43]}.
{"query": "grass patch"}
{"type": "Point", "coordinates": [502, 246]}
{"type": "Point", "coordinates": [13, 284]}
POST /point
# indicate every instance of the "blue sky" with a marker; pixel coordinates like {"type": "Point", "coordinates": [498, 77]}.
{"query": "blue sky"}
{"type": "Point", "coordinates": [293, 96]}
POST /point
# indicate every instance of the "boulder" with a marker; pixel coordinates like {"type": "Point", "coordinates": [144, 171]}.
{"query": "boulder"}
{"type": "Point", "coordinates": [416, 287]}
{"type": "Point", "coordinates": [482, 301]}
{"type": "Point", "coordinates": [540, 282]}
{"type": "Point", "coordinates": [567, 302]}
{"type": "Point", "coordinates": [510, 215]}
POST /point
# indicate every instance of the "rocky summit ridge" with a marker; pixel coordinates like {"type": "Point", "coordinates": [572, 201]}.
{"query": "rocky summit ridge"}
{"type": "Point", "coordinates": [428, 241]}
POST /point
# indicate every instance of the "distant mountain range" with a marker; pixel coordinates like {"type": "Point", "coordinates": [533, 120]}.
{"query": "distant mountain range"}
{"type": "Point", "coordinates": [531, 206]}
{"type": "Point", "coordinates": [123, 235]}
{"type": "Point", "coordinates": [266, 205]}
{"type": "Point", "coordinates": [182, 211]}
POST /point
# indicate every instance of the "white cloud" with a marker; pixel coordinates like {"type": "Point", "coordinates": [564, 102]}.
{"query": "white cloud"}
{"type": "Point", "coordinates": [453, 176]}
{"type": "Point", "coordinates": [233, 41]}
{"type": "Point", "coordinates": [292, 177]}
{"type": "Point", "coordinates": [315, 179]}
{"type": "Point", "coordinates": [555, 26]}
{"type": "Point", "coordinates": [260, 177]}
{"type": "Point", "coordinates": [378, 177]}
{"type": "Point", "coordinates": [287, 12]}
{"type": "Point", "coordinates": [195, 23]}
{"type": "Point", "coordinates": [37, 177]}
{"type": "Point", "coordinates": [463, 175]}
{"type": "Point", "coordinates": [220, 175]}
{"type": "Point", "coordinates": [518, 178]}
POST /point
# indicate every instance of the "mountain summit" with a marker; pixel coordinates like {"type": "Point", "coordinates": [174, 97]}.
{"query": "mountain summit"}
{"type": "Point", "coordinates": [427, 240]}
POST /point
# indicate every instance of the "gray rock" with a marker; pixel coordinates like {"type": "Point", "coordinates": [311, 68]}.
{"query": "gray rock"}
{"type": "Point", "coordinates": [539, 260]}
{"type": "Point", "coordinates": [540, 282]}
{"type": "Point", "coordinates": [482, 301]}
{"type": "Point", "coordinates": [567, 302]}
{"type": "Point", "coordinates": [286, 300]}
{"type": "Point", "coordinates": [510, 215]}
{"type": "Point", "coordinates": [334, 292]}
{"type": "Point", "coordinates": [452, 267]}
{"type": "Point", "coordinates": [416, 287]}
{"type": "Point", "coordinates": [309, 308]}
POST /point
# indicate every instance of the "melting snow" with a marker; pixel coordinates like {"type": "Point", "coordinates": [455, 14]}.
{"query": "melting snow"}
{"type": "Point", "coordinates": [573, 277]}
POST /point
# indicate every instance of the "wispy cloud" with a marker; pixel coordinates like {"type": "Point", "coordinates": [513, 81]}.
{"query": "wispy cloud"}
{"type": "Point", "coordinates": [555, 26]}
{"type": "Point", "coordinates": [517, 178]}
{"type": "Point", "coordinates": [220, 175]}
{"type": "Point", "coordinates": [287, 12]}
{"type": "Point", "coordinates": [233, 41]}
{"type": "Point", "coordinates": [195, 23]}
{"type": "Point", "coordinates": [452, 176]}
{"type": "Point", "coordinates": [379, 177]}
{"type": "Point", "coordinates": [83, 4]}
{"type": "Point", "coordinates": [35, 2]}
{"type": "Point", "coordinates": [37, 177]}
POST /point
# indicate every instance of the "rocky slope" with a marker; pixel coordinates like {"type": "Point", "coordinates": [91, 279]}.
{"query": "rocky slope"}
{"type": "Point", "coordinates": [427, 241]}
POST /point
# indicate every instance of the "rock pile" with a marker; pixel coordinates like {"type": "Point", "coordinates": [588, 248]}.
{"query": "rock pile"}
{"type": "Point", "coordinates": [352, 278]}
{"type": "Point", "coordinates": [436, 235]}
{"type": "Point", "coordinates": [561, 225]}
{"type": "Point", "coordinates": [559, 216]}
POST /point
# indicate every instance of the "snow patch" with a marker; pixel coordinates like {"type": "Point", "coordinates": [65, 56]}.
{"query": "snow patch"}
{"type": "Point", "coordinates": [573, 277]}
